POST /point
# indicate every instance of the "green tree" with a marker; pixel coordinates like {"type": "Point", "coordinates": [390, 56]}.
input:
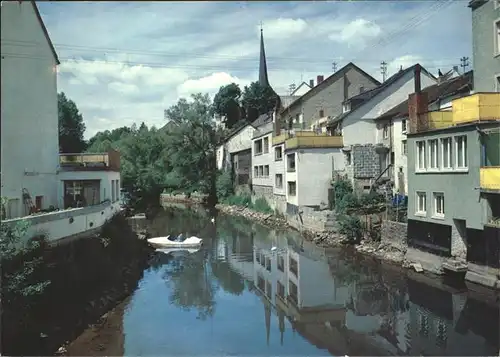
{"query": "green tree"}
{"type": "Point", "coordinates": [227, 104]}
{"type": "Point", "coordinates": [192, 143]}
{"type": "Point", "coordinates": [144, 165]}
{"type": "Point", "coordinates": [71, 126]}
{"type": "Point", "coordinates": [257, 100]}
{"type": "Point", "coordinates": [106, 140]}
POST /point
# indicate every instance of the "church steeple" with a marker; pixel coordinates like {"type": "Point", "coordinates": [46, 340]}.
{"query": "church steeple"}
{"type": "Point", "coordinates": [263, 80]}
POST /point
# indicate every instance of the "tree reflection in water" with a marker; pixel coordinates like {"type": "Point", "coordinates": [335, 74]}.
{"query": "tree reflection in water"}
{"type": "Point", "coordinates": [188, 277]}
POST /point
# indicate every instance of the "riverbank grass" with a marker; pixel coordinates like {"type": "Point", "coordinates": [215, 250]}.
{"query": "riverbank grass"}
{"type": "Point", "coordinates": [260, 204]}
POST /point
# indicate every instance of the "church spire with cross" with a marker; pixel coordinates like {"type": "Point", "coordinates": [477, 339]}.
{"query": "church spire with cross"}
{"type": "Point", "coordinates": [263, 79]}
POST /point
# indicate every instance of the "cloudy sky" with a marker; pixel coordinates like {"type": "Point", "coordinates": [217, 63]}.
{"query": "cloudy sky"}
{"type": "Point", "coordinates": [124, 63]}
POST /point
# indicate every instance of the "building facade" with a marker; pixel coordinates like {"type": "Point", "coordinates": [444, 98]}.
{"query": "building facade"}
{"type": "Point", "coordinates": [30, 135]}
{"type": "Point", "coordinates": [486, 44]}
{"type": "Point", "coordinates": [325, 98]}
{"type": "Point", "coordinates": [393, 125]}
{"type": "Point", "coordinates": [262, 162]}
{"type": "Point", "coordinates": [369, 154]}
{"type": "Point", "coordinates": [454, 184]}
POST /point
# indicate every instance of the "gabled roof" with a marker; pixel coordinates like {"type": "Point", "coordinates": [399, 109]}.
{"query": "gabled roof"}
{"type": "Point", "coordinates": [45, 32]}
{"type": "Point", "coordinates": [460, 84]}
{"type": "Point", "coordinates": [262, 119]}
{"type": "Point", "coordinates": [364, 97]}
{"type": "Point", "coordinates": [300, 85]}
{"type": "Point", "coordinates": [373, 92]}
{"type": "Point", "coordinates": [329, 80]}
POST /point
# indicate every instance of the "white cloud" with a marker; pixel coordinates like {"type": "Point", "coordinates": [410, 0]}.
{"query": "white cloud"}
{"type": "Point", "coordinates": [121, 72]}
{"type": "Point", "coordinates": [284, 28]}
{"type": "Point", "coordinates": [209, 84]}
{"type": "Point", "coordinates": [357, 32]}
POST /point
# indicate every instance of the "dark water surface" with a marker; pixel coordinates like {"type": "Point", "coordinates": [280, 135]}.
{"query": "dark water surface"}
{"type": "Point", "coordinates": [236, 297]}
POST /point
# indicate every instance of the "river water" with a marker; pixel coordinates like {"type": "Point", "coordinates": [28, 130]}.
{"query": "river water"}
{"type": "Point", "coordinates": [235, 296]}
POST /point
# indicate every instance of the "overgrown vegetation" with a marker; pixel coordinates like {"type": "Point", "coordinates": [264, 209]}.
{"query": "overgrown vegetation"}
{"type": "Point", "coordinates": [349, 207]}
{"type": "Point", "coordinates": [57, 291]}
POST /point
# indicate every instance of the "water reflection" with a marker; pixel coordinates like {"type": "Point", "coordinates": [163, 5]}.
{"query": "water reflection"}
{"type": "Point", "coordinates": [236, 296]}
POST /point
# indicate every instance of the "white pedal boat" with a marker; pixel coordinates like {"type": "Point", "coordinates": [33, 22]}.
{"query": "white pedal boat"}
{"type": "Point", "coordinates": [165, 242]}
{"type": "Point", "coordinates": [175, 251]}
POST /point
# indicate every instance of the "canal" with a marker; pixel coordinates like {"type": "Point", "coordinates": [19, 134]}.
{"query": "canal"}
{"type": "Point", "coordinates": [236, 296]}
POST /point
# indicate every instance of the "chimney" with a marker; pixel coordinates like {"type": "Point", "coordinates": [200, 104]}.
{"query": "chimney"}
{"type": "Point", "coordinates": [276, 122]}
{"type": "Point", "coordinates": [319, 79]}
{"type": "Point", "coordinates": [311, 83]}
{"type": "Point", "coordinates": [418, 86]}
{"type": "Point", "coordinates": [418, 104]}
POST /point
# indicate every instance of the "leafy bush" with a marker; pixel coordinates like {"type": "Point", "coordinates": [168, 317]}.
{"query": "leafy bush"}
{"type": "Point", "coordinates": [20, 262]}
{"type": "Point", "coordinates": [351, 227]}
{"type": "Point", "coordinates": [239, 200]}
{"type": "Point", "coordinates": [348, 203]}
{"type": "Point", "coordinates": [341, 188]}
{"type": "Point", "coordinates": [261, 205]}
{"type": "Point", "coordinates": [224, 185]}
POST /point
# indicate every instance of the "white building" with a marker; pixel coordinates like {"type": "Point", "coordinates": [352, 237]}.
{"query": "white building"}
{"type": "Point", "coordinates": [58, 195]}
{"type": "Point", "coordinates": [367, 148]}
{"type": "Point", "coordinates": [263, 159]}
{"type": "Point", "coordinates": [235, 154]}
{"type": "Point", "coordinates": [29, 127]}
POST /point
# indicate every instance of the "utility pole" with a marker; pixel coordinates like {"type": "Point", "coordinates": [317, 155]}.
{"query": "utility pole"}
{"type": "Point", "coordinates": [383, 69]}
{"type": "Point", "coordinates": [291, 88]}
{"type": "Point", "coordinates": [464, 63]}
{"type": "Point", "coordinates": [334, 67]}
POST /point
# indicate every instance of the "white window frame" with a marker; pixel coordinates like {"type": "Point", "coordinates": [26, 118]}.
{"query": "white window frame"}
{"type": "Point", "coordinates": [418, 210]}
{"type": "Point", "coordinates": [404, 147]}
{"type": "Point", "coordinates": [465, 159]}
{"type": "Point", "coordinates": [497, 83]}
{"type": "Point", "coordinates": [436, 207]}
{"type": "Point", "coordinates": [448, 140]}
{"type": "Point", "coordinates": [418, 156]}
{"type": "Point", "coordinates": [433, 156]}
{"type": "Point", "coordinates": [385, 131]}
{"type": "Point", "coordinates": [404, 126]}
{"type": "Point", "coordinates": [276, 181]}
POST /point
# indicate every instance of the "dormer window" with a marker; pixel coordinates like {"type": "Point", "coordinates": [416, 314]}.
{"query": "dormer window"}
{"type": "Point", "coordinates": [346, 107]}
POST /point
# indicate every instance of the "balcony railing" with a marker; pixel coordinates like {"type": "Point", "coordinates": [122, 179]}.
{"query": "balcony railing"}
{"type": "Point", "coordinates": [308, 139]}
{"type": "Point", "coordinates": [91, 161]}
{"type": "Point", "coordinates": [490, 178]}
{"type": "Point", "coordinates": [476, 107]}
{"type": "Point", "coordinates": [436, 120]}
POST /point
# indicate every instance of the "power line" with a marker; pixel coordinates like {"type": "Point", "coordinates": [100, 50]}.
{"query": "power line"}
{"type": "Point", "coordinates": [121, 51]}
{"type": "Point", "coordinates": [413, 23]}
{"type": "Point", "coordinates": [174, 66]}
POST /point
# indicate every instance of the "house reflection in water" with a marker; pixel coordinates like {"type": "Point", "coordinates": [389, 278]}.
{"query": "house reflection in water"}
{"type": "Point", "coordinates": [380, 313]}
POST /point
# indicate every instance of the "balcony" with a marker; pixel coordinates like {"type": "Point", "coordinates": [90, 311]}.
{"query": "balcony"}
{"type": "Point", "coordinates": [476, 107]}
{"type": "Point", "coordinates": [308, 139]}
{"type": "Point", "coordinates": [489, 178]}
{"type": "Point", "coordinates": [109, 161]}
{"type": "Point", "coordinates": [436, 120]}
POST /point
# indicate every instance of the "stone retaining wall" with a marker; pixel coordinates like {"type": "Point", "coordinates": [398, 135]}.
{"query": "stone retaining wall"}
{"type": "Point", "coordinates": [318, 221]}
{"type": "Point", "coordinates": [394, 234]}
